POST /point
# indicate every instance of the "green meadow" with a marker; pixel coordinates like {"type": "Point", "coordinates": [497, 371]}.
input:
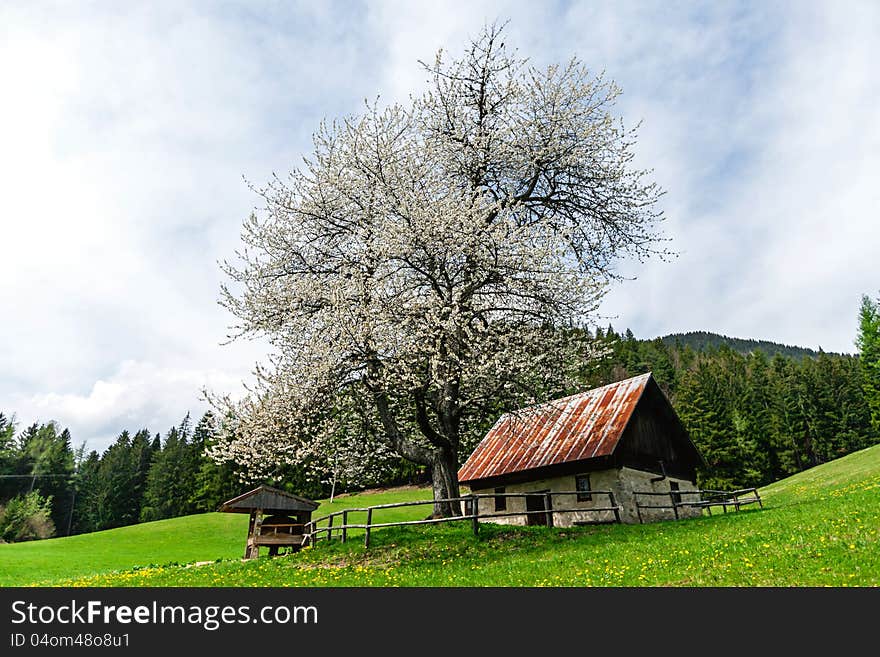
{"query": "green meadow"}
{"type": "Point", "coordinates": [186, 540]}
{"type": "Point", "coordinates": [818, 528]}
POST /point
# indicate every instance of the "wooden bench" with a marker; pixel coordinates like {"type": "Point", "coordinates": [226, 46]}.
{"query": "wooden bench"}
{"type": "Point", "coordinates": [276, 535]}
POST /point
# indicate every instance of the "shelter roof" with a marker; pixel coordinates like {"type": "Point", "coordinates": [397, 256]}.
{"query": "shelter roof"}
{"type": "Point", "coordinates": [269, 500]}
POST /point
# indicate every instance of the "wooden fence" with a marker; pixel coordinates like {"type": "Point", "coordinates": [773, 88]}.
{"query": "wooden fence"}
{"type": "Point", "coordinates": [313, 530]}
{"type": "Point", "coordinates": [705, 499]}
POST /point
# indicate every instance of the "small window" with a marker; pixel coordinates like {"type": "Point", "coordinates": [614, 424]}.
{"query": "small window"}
{"type": "Point", "coordinates": [582, 486]}
{"type": "Point", "coordinates": [676, 497]}
{"type": "Point", "coordinates": [500, 500]}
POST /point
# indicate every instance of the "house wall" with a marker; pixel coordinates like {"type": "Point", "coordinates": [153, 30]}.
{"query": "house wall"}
{"type": "Point", "coordinates": [620, 481]}
{"type": "Point", "coordinates": [631, 480]}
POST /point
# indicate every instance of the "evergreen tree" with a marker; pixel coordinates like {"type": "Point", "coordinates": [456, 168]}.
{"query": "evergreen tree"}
{"type": "Point", "coordinates": [215, 482]}
{"type": "Point", "coordinates": [113, 494]}
{"type": "Point", "coordinates": [868, 343]}
{"type": "Point", "coordinates": [787, 420]}
{"type": "Point", "coordinates": [120, 480]}
{"type": "Point", "coordinates": [705, 412]}
{"type": "Point", "coordinates": [8, 458]}
{"type": "Point", "coordinates": [140, 460]}
{"type": "Point", "coordinates": [170, 486]}
{"type": "Point", "coordinates": [756, 440]}
{"type": "Point", "coordinates": [86, 514]}
{"type": "Point", "coordinates": [28, 440]}
{"type": "Point", "coordinates": [7, 434]}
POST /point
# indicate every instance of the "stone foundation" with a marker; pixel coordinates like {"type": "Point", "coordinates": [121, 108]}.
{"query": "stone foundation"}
{"type": "Point", "coordinates": [620, 481]}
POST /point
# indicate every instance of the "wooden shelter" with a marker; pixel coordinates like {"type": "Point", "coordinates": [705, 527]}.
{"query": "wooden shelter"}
{"type": "Point", "coordinates": [624, 437]}
{"type": "Point", "coordinates": [276, 519]}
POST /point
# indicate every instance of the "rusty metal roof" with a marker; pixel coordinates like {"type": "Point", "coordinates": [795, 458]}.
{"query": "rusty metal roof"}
{"type": "Point", "coordinates": [583, 426]}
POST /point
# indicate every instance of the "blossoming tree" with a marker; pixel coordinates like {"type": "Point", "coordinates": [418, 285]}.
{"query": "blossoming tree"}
{"type": "Point", "coordinates": [427, 262]}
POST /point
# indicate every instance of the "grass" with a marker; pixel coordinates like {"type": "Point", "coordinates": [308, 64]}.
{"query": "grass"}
{"type": "Point", "coordinates": [818, 528]}
{"type": "Point", "coordinates": [198, 538]}
{"type": "Point", "coordinates": [390, 496]}
{"type": "Point", "coordinates": [180, 540]}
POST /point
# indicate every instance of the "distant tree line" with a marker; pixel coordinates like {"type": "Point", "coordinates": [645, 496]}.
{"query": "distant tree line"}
{"type": "Point", "coordinates": [757, 418]}
{"type": "Point", "coordinates": [703, 340]}
{"type": "Point", "coordinates": [48, 488]}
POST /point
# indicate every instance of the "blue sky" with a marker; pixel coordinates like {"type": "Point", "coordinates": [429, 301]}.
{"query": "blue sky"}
{"type": "Point", "coordinates": [127, 129]}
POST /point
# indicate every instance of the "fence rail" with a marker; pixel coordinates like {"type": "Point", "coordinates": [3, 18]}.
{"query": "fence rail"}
{"type": "Point", "coordinates": [313, 531]}
{"type": "Point", "coordinates": [706, 499]}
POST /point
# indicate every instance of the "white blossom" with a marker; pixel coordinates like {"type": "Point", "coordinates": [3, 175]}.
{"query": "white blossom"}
{"type": "Point", "coordinates": [429, 260]}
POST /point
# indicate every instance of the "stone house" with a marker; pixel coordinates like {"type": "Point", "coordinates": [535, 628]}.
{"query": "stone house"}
{"type": "Point", "coordinates": [623, 437]}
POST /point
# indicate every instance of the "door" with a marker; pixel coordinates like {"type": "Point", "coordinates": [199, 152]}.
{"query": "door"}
{"type": "Point", "coordinates": [536, 503]}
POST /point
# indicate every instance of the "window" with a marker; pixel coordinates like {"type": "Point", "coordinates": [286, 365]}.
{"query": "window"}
{"type": "Point", "coordinates": [676, 497]}
{"type": "Point", "coordinates": [500, 500]}
{"type": "Point", "coordinates": [582, 486]}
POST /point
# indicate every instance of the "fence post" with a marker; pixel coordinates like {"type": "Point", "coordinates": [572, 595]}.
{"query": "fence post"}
{"type": "Point", "coordinates": [475, 512]}
{"type": "Point", "coordinates": [367, 530]}
{"type": "Point", "coordinates": [330, 528]}
{"type": "Point", "coordinates": [344, 525]}
{"type": "Point", "coordinates": [548, 506]}
{"type": "Point", "coordinates": [616, 509]}
{"type": "Point", "coordinates": [758, 497]}
{"type": "Point", "coordinates": [674, 506]}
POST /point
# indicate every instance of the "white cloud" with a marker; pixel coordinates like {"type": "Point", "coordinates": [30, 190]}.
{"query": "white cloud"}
{"type": "Point", "coordinates": [124, 146]}
{"type": "Point", "coordinates": [769, 155]}
{"type": "Point", "coordinates": [138, 395]}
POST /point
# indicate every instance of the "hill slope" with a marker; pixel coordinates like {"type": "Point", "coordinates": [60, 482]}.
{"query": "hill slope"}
{"type": "Point", "coordinates": [703, 340]}
{"type": "Point", "coordinates": [179, 540]}
{"type": "Point", "coordinates": [203, 537]}
{"type": "Point", "coordinates": [819, 527]}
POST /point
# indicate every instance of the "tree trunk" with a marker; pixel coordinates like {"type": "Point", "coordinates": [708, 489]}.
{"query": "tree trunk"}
{"type": "Point", "coordinates": [443, 459]}
{"type": "Point", "coordinates": [444, 478]}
